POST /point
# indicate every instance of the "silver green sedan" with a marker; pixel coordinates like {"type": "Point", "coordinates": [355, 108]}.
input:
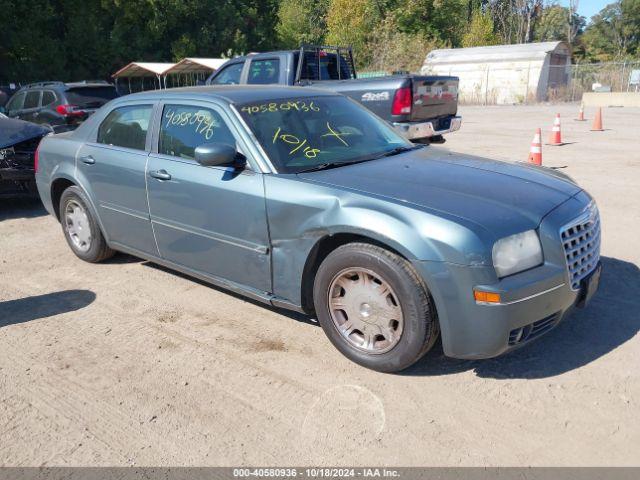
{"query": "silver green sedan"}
{"type": "Point", "coordinates": [305, 200]}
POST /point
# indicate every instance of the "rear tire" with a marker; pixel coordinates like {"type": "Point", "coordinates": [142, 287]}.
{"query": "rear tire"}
{"type": "Point", "coordinates": [80, 227]}
{"type": "Point", "coordinates": [374, 307]}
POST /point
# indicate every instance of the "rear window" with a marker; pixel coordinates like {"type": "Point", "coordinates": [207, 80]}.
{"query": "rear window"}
{"type": "Point", "coordinates": [90, 97]}
{"type": "Point", "coordinates": [328, 69]}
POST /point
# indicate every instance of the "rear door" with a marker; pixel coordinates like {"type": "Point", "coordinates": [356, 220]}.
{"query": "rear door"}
{"type": "Point", "coordinates": [209, 219]}
{"type": "Point", "coordinates": [46, 113]}
{"type": "Point", "coordinates": [113, 164]}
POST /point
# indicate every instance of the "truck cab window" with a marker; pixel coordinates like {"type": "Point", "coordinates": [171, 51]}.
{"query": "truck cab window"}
{"type": "Point", "coordinates": [229, 75]}
{"type": "Point", "coordinates": [264, 72]}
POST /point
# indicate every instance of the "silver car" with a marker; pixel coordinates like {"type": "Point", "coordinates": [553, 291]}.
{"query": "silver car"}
{"type": "Point", "coordinates": [303, 199]}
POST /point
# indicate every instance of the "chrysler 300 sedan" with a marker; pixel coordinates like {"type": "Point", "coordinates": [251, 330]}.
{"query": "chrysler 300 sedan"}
{"type": "Point", "coordinates": [304, 200]}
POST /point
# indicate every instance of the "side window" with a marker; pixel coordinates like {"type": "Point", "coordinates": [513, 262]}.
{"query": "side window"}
{"type": "Point", "coordinates": [126, 127]}
{"type": "Point", "coordinates": [16, 102]}
{"type": "Point", "coordinates": [48, 97]}
{"type": "Point", "coordinates": [32, 100]}
{"type": "Point", "coordinates": [229, 75]}
{"type": "Point", "coordinates": [263, 72]}
{"type": "Point", "coordinates": [186, 127]}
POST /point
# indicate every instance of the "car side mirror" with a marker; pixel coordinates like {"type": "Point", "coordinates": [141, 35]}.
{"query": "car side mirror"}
{"type": "Point", "coordinates": [217, 154]}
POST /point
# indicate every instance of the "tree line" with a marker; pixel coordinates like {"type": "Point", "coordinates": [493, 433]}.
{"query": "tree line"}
{"type": "Point", "coordinates": [90, 39]}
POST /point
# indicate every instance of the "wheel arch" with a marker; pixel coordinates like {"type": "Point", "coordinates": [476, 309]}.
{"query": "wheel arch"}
{"type": "Point", "coordinates": [327, 244]}
{"type": "Point", "coordinates": [58, 186]}
{"type": "Point", "coordinates": [62, 183]}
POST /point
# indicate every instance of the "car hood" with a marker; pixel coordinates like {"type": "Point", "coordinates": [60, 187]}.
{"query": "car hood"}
{"type": "Point", "coordinates": [502, 197]}
{"type": "Point", "coordinates": [14, 131]}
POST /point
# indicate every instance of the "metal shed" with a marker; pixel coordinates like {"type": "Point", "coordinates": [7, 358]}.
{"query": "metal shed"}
{"type": "Point", "coordinates": [504, 73]}
{"type": "Point", "coordinates": [190, 71]}
{"type": "Point", "coordinates": [141, 71]}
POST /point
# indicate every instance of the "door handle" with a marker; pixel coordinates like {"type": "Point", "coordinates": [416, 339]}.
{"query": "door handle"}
{"type": "Point", "coordinates": [160, 175]}
{"type": "Point", "coordinates": [88, 159]}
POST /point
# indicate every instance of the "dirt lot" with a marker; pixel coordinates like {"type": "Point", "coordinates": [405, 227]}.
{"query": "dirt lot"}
{"type": "Point", "coordinates": [125, 363]}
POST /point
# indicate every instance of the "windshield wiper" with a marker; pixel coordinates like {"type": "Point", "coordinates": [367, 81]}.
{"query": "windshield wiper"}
{"type": "Point", "coordinates": [329, 165]}
{"type": "Point", "coordinates": [398, 150]}
{"type": "Point", "coordinates": [388, 153]}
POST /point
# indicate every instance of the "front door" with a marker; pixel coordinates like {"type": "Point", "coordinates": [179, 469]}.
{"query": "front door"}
{"type": "Point", "coordinates": [31, 106]}
{"type": "Point", "coordinates": [209, 219]}
{"type": "Point", "coordinates": [114, 167]}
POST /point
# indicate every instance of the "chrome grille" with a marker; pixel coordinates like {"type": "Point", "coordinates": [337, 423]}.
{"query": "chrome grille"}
{"type": "Point", "coordinates": [581, 242]}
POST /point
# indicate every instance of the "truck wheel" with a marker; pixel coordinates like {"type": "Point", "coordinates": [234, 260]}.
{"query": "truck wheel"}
{"type": "Point", "coordinates": [81, 228]}
{"type": "Point", "coordinates": [374, 307]}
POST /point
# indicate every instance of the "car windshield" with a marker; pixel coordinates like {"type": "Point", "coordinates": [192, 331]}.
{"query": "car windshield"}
{"type": "Point", "coordinates": [312, 133]}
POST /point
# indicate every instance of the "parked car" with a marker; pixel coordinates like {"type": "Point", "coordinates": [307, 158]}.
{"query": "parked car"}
{"type": "Point", "coordinates": [303, 199]}
{"type": "Point", "coordinates": [6, 91]}
{"type": "Point", "coordinates": [62, 106]}
{"type": "Point", "coordinates": [421, 108]}
{"type": "Point", "coordinates": [18, 143]}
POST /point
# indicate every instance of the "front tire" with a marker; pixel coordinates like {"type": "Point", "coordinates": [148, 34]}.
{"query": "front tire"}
{"type": "Point", "coordinates": [80, 227]}
{"type": "Point", "coordinates": [374, 307]}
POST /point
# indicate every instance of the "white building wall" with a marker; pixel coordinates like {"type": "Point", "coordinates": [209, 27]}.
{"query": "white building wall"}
{"type": "Point", "coordinates": [494, 82]}
{"type": "Point", "coordinates": [501, 74]}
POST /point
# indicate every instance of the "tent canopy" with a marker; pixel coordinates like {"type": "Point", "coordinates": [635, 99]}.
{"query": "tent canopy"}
{"type": "Point", "coordinates": [196, 65]}
{"type": "Point", "coordinates": [143, 69]}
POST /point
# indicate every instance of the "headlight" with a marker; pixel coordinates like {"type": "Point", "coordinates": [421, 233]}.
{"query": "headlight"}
{"type": "Point", "coordinates": [517, 253]}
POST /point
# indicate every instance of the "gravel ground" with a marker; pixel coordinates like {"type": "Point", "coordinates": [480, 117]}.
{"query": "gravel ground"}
{"type": "Point", "coordinates": [126, 363]}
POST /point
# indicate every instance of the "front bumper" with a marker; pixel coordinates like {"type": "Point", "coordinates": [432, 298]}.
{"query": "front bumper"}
{"type": "Point", "coordinates": [416, 130]}
{"type": "Point", "coordinates": [532, 302]}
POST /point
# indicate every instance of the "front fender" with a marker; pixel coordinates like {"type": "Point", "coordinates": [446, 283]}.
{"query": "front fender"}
{"type": "Point", "coordinates": [301, 214]}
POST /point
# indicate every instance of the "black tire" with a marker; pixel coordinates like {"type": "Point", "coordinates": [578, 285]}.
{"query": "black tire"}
{"type": "Point", "coordinates": [420, 324]}
{"type": "Point", "coordinates": [98, 250]}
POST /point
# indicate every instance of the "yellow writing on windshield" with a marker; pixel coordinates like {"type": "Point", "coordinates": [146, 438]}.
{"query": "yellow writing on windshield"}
{"type": "Point", "coordinates": [299, 143]}
{"type": "Point", "coordinates": [273, 107]}
{"type": "Point", "coordinates": [338, 135]}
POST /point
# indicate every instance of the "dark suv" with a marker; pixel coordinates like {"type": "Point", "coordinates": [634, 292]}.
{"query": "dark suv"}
{"type": "Point", "coordinates": [63, 106]}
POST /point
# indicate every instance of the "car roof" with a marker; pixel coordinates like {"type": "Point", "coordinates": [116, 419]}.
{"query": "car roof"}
{"type": "Point", "coordinates": [55, 85]}
{"type": "Point", "coordinates": [230, 93]}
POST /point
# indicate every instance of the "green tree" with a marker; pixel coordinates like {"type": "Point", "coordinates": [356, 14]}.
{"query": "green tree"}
{"type": "Point", "coordinates": [614, 33]}
{"type": "Point", "coordinates": [352, 22]}
{"type": "Point", "coordinates": [559, 23]}
{"type": "Point", "coordinates": [395, 50]}
{"type": "Point", "coordinates": [302, 21]}
{"type": "Point", "coordinates": [442, 20]}
{"type": "Point", "coordinates": [480, 32]}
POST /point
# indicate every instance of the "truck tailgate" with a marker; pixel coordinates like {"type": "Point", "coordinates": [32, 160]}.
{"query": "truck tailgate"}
{"type": "Point", "coordinates": [434, 97]}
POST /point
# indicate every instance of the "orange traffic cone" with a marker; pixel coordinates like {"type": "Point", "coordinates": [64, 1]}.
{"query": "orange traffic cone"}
{"type": "Point", "coordinates": [556, 136]}
{"type": "Point", "coordinates": [597, 122]}
{"type": "Point", "coordinates": [581, 115]}
{"type": "Point", "coordinates": [535, 153]}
